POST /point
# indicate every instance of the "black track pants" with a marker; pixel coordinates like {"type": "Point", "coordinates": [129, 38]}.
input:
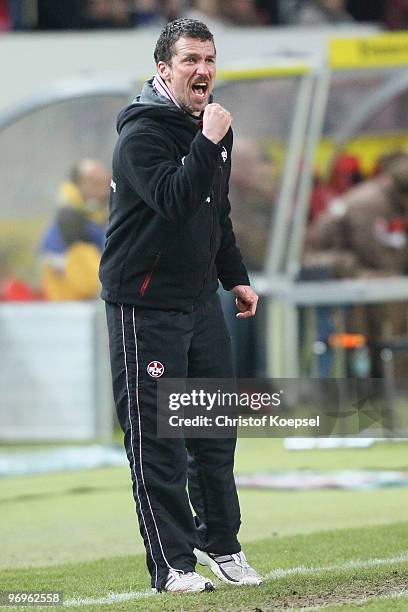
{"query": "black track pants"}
{"type": "Point", "coordinates": [196, 345]}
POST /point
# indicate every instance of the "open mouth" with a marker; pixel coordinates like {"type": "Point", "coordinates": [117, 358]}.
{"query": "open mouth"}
{"type": "Point", "coordinates": [200, 88]}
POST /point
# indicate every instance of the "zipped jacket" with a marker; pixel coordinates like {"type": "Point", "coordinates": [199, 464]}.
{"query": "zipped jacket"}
{"type": "Point", "coordinates": [169, 236]}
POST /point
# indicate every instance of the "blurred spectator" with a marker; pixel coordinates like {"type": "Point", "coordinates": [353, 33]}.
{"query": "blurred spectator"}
{"type": "Point", "coordinates": [385, 161]}
{"type": "Point", "coordinates": [252, 193]}
{"type": "Point", "coordinates": [5, 20]}
{"type": "Point", "coordinates": [107, 14]}
{"type": "Point", "coordinates": [323, 12]}
{"type": "Point", "coordinates": [91, 14]}
{"type": "Point", "coordinates": [12, 289]}
{"type": "Point", "coordinates": [208, 11]}
{"type": "Point", "coordinates": [82, 14]}
{"type": "Point", "coordinates": [345, 173]}
{"type": "Point", "coordinates": [367, 11]}
{"type": "Point", "coordinates": [320, 197]}
{"type": "Point", "coordinates": [172, 9]}
{"type": "Point", "coordinates": [17, 290]}
{"type": "Point", "coordinates": [396, 14]}
{"type": "Point", "coordinates": [25, 14]}
{"type": "Point", "coordinates": [364, 234]}
{"type": "Point", "coordinates": [52, 15]}
{"type": "Point", "coordinates": [145, 12]}
{"type": "Point", "coordinates": [269, 11]}
{"type": "Point", "coordinates": [241, 12]}
{"type": "Point", "coordinates": [72, 245]}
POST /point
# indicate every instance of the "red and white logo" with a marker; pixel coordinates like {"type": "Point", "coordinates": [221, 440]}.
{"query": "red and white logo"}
{"type": "Point", "coordinates": [155, 369]}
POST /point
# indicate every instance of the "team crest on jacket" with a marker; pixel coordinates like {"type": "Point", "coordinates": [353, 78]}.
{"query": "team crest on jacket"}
{"type": "Point", "coordinates": [155, 369]}
{"type": "Point", "coordinates": [224, 154]}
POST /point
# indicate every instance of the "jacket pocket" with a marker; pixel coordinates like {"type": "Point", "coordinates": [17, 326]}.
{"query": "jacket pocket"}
{"type": "Point", "coordinates": [147, 279]}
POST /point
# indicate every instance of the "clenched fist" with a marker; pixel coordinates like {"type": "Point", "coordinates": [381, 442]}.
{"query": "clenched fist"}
{"type": "Point", "coordinates": [216, 122]}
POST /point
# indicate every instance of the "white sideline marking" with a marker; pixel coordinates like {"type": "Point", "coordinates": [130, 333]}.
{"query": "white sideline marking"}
{"type": "Point", "coordinates": [109, 599]}
{"type": "Point", "coordinates": [302, 569]}
{"type": "Point", "coordinates": [277, 573]}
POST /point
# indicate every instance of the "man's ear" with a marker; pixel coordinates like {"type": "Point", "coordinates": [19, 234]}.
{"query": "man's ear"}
{"type": "Point", "coordinates": [164, 70]}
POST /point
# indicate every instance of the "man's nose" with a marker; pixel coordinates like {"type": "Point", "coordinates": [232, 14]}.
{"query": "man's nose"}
{"type": "Point", "coordinates": [202, 68]}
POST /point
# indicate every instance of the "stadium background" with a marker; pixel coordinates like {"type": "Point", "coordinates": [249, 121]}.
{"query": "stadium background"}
{"type": "Point", "coordinates": [302, 98]}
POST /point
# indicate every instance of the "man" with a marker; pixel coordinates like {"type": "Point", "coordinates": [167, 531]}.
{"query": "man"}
{"type": "Point", "coordinates": [169, 240]}
{"type": "Point", "coordinates": [72, 245]}
{"type": "Point", "coordinates": [364, 234]}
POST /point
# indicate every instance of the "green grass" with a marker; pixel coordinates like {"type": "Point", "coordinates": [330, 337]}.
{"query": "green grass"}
{"type": "Point", "coordinates": [77, 532]}
{"type": "Point", "coordinates": [268, 454]}
{"type": "Point", "coordinates": [319, 550]}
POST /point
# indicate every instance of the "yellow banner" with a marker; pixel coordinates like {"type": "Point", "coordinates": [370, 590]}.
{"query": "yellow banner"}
{"type": "Point", "coordinates": [383, 51]}
{"type": "Point", "coordinates": [283, 70]}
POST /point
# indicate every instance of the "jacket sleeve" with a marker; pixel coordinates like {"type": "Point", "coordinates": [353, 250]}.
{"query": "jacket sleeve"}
{"type": "Point", "coordinates": [175, 190]}
{"type": "Point", "coordinates": [230, 267]}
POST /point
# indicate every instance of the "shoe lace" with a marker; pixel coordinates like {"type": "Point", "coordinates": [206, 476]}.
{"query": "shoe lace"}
{"type": "Point", "coordinates": [174, 573]}
{"type": "Point", "coordinates": [179, 573]}
{"type": "Point", "coordinates": [240, 560]}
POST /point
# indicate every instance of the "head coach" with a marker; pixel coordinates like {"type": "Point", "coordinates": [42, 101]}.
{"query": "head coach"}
{"type": "Point", "coordinates": [169, 241]}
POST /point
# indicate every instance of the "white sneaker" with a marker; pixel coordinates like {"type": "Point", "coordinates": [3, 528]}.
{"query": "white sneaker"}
{"type": "Point", "coordinates": [189, 582]}
{"type": "Point", "coordinates": [232, 569]}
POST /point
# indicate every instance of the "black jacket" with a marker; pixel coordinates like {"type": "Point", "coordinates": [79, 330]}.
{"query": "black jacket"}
{"type": "Point", "coordinates": [170, 236]}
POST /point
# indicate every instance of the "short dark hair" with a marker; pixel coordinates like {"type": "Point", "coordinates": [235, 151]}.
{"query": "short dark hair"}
{"type": "Point", "coordinates": [191, 28]}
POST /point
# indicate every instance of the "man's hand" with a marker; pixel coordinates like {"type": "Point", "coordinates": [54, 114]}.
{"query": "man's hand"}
{"type": "Point", "coordinates": [216, 122]}
{"type": "Point", "coordinates": [246, 300]}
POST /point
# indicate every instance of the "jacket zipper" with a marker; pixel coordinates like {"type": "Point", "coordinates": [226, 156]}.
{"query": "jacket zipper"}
{"type": "Point", "coordinates": [148, 277]}
{"type": "Point", "coordinates": [213, 207]}
{"type": "Point", "coordinates": [220, 184]}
